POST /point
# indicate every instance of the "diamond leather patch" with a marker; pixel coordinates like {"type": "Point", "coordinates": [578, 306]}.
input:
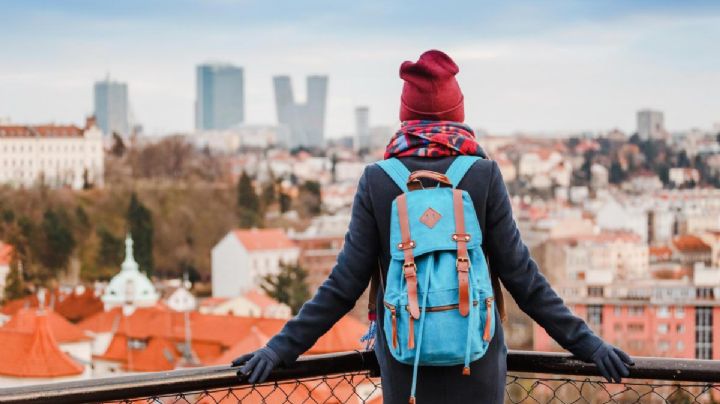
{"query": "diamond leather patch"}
{"type": "Point", "coordinates": [430, 217]}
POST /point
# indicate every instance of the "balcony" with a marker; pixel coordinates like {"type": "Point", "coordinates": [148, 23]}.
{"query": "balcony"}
{"type": "Point", "coordinates": [351, 377]}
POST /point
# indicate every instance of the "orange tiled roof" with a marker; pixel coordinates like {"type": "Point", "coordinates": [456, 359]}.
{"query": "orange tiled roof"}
{"type": "Point", "coordinates": [74, 307]}
{"type": "Point", "coordinates": [5, 253]}
{"type": "Point", "coordinates": [660, 252]}
{"type": "Point", "coordinates": [79, 306]}
{"type": "Point", "coordinates": [35, 354]}
{"type": "Point", "coordinates": [255, 339]}
{"type": "Point", "coordinates": [689, 243]}
{"type": "Point", "coordinates": [104, 321]}
{"type": "Point", "coordinates": [63, 331]}
{"type": "Point", "coordinates": [260, 299]}
{"type": "Point", "coordinates": [212, 335]}
{"type": "Point", "coordinates": [264, 239]}
{"type": "Point", "coordinates": [40, 131]}
{"type": "Point", "coordinates": [160, 354]}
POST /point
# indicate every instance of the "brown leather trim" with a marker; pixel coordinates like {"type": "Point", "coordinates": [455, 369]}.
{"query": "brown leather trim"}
{"type": "Point", "coordinates": [393, 316]}
{"type": "Point", "coordinates": [488, 318]}
{"type": "Point", "coordinates": [414, 178]}
{"type": "Point", "coordinates": [411, 333]}
{"type": "Point", "coordinates": [463, 261]}
{"type": "Point", "coordinates": [409, 268]}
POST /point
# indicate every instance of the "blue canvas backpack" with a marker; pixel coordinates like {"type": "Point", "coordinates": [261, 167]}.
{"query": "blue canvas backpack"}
{"type": "Point", "coordinates": [438, 298]}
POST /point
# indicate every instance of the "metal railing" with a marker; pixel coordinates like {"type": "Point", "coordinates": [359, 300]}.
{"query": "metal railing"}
{"type": "Point", "coordinates": [352, 377]}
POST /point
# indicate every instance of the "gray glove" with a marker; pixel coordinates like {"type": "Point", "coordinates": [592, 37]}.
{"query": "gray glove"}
{"type": "Point", "coordinates": [612, 362]}
{"type": "Point", "coordinates": [257, 365]}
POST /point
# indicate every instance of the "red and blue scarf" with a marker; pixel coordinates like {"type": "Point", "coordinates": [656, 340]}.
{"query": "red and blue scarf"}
{"type": "Point", "coordinates": [433, 139]}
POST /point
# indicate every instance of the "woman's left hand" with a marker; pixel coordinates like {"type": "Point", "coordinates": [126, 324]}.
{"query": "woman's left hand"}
{"type": "Point", "coordinates": [256, 366]}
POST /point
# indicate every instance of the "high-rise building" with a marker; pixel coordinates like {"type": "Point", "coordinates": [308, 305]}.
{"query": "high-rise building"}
{"type": "Point", "coordinates": [304, 122]}
{"type": "Point", "coordinates": [362, 128]}
{"type": "Point", "coordinates": [220, 97]}
{"type": "Point", "coordinates": [651, 124]}
{"type": "Point", "coordinates": [111, 107]}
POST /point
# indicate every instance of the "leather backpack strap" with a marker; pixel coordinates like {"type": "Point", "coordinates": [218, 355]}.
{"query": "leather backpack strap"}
{"type": "Point", "coordinates": [407, 245]}
{"type": "Point", "coordinates": [463, 260]}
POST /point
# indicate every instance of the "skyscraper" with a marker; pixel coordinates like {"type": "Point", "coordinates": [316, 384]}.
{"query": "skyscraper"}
{"type": "Point", "coordinates": [111, 107]}
{"type": "Point", "coordinates": [362, 128]}
{"type": "Point", "coordinates": [305, 123]}
{"type": "Point", "coordinates": [650, 124]}
{"type": "Point", "coordinates": [220, 97]}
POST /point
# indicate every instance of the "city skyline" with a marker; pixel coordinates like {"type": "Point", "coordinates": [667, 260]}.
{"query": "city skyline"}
{"type": "Point", "coordinates": [111, 106]}
{"type": "Point", "coordinates": [220, 96]}
{"type": "Point", "coordinates": [523, 67]}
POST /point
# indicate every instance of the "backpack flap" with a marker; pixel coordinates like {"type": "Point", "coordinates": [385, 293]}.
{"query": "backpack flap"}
{"type": "Point", "coordinates": [432, 222]}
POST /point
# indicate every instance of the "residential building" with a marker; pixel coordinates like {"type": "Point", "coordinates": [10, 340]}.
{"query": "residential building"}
{"type": "Point", "coordinates": [220, 96]}
{"type": "Point", "coordinates": [672, 318]}
{"type": "Point", "coordinates": [252, 303]}
{"type": "Point", "coordinates": [682, 176]}
{"type": "Point", "coordinates": [243, 257]}
{"type": "Point", "coordinates": [111, 107]}
{"type": "Point", "coordinates": [362, 128]}
{"type": "Point", "coordinates": [305, 122]}
{"type": "Point", "coordinates": [153, 339]}
{"type": "Point", "coordinates": [54, 155]}
{"type": "Point", "coordinates": [6, 255]}
{"type": "Point", "coordinates": [32, 356]}
{"type": "Point", "coordinates": [651, 125]}
{"type": "Point", "coordinates": [70, 339]}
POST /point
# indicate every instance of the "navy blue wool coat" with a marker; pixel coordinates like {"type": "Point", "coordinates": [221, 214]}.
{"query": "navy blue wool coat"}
{"type": "Point", "coordinates": [368, 238]}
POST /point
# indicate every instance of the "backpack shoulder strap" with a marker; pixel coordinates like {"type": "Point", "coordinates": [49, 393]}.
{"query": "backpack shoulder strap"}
{"type": "Point", "coordinates": [397, 171]}
{"type": "Point", "coordinates": [459, 167]}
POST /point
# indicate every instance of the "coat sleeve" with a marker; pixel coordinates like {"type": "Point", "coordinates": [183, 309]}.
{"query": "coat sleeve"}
{"type": "Point", "coordinates": [519, 273]}
{"type": "Point", "coordinates": [347, 281]}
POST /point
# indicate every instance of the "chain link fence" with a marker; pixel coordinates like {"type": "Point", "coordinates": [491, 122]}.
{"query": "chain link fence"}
{"type": "Point", "coordinates": [357, 388]}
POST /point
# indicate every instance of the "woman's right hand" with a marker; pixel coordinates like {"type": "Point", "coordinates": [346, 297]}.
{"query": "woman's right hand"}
{"type": "Point", "coordinates": [612, 362]}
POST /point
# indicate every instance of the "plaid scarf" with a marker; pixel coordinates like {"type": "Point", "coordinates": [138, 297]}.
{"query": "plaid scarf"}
{"type": "Point", "coordinates": [433, 139]}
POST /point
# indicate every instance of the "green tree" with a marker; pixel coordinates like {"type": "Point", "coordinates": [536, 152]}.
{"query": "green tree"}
{"type": "Point", "coordinates": [285, 202]}
{"type": "Point", "coordinates": [269, 194]}
{"type": "Point", "coordinates": [616, 175]}
{"type": "Point", "coordinates": [14, 284]}
{"type": "Point", "coordinates": [309, 199]}
{"type": "Point", "coordinates": [58, 242]}
{"type": "Point", "coordinates": [288, 286]}
{"type": "Point", "coordinates": [111, 250]}
{"type": "Point", "coordinates": [248, 203]}
{"type": "Point", "coordinates": [140, 224]}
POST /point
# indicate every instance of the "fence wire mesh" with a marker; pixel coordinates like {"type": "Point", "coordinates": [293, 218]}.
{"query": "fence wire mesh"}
{"type": "Point", "coordinates": [357, 388]}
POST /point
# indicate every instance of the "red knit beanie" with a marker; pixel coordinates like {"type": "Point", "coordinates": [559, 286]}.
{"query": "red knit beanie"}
{"type": "Point", "coordinates": [430, 91]}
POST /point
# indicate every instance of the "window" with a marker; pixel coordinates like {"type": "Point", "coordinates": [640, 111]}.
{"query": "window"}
{"type": "Point", "coordinates": [636, 310]}
{"type": "Point", "coordinates": [594, 313]}
{"type": "Point", "coordinates": [663, 312]}
{"type": "Point", "coordinates": [703, 332]}
{"type": "Point", "coordinates": [680, 328]}
{"type": "Point", "coordinates": [617, 311]}
{"type": "Point", "coordinates": [680, 346]}
{"type": "Point", "coordinates": [595, 291]}
{"type": "Point", "coordinates": [679, 312]}
{"type": "Point", "coordinates": [636, 327]}
{"type": "Point", "coordinates": [663, 346]}
{"type": "Point", "coordinates": [618, 327]}
{"type": "Point", "coordinates": [705, 293]}
{"type": "Point", "coordinates": [663, 328]}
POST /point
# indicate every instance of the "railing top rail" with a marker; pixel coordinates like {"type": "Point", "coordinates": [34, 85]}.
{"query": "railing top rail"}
{"type": "Point", "coordinates": [204, 378]}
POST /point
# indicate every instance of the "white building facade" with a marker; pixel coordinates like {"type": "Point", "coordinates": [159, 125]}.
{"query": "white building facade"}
{"type": "Point", "coordinates": [51, 154]}
{"type": "Point", "coordinates": [243, 257]}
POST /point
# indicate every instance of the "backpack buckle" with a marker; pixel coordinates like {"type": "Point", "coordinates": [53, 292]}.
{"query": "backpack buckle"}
{"type": "Point", "coordinates": [409, 269]}
{"type": "Point", "coordinates": [459, 237]}
{"type": "Point", "coordinates": [462, 264]}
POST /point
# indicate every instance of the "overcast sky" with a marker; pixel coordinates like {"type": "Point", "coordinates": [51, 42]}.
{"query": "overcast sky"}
{"type": "Point", "coordinates": [528, 65]}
